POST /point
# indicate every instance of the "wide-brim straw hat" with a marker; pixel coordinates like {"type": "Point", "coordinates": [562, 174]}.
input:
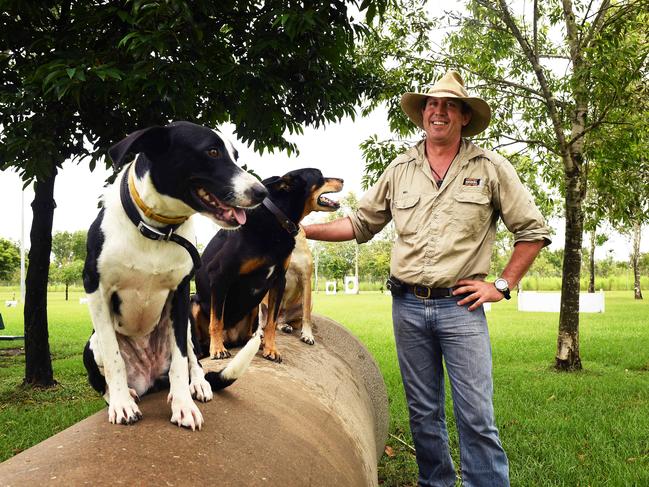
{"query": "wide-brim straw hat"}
{"type": "Point", "coordinates": [450, 85]}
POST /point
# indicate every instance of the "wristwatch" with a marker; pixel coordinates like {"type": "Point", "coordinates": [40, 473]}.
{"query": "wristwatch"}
{"type": "Point", "coordinates": [503, 286]}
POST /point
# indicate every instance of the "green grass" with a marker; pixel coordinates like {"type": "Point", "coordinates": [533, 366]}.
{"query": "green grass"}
{"type": "Point", "coordinates": [587, 428]}
{"type": "Point", "coordinates": [28, 416]}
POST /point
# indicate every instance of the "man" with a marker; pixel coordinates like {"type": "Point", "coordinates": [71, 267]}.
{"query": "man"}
{"type": "Point", "coordinates": [445, 196]}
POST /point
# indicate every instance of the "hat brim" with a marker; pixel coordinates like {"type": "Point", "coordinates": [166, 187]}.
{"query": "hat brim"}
{"type": "Point", "coordinates": [411, 104]}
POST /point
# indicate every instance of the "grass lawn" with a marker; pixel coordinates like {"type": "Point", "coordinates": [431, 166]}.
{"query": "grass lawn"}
{"type": "Point", "coordinates": [580, 429]}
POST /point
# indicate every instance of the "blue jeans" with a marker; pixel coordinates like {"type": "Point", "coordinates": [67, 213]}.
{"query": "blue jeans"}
{"type": "Point", "coordinates": [427, 330]}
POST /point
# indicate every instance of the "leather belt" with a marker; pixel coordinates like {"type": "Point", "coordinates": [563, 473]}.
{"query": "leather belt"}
{"type": "Point", "coordinates": [424, 292]}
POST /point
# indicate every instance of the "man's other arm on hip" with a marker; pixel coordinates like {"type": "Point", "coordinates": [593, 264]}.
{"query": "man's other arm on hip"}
{"type": "Point", "coordinates": [485, 292]}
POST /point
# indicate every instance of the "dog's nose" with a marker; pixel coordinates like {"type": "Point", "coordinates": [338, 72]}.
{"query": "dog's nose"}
{"type": "Point", "coordinates": [258, 192]}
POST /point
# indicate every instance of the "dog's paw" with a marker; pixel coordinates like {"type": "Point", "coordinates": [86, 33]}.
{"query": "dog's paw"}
{"type": "Point", "coordinates": [124, 411]}
{"type": "Point", "coordinates": [185, 413]}
{"type": "Point", "coordinates": [286, 328]}
{"type": "Point", "coordinates": [201, 390]}
{"type": "Point", "coordinates": [307, 338]}
{"type": "Point", "coordinates": [220, 353]}
{"type": "Point", "coordinates": [272, 354]}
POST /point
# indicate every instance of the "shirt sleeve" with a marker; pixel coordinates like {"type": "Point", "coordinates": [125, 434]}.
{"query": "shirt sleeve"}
{"type": "Point", "coordinates": [373, 210]}
{"type": "Point", "coordinates": [517, 208]}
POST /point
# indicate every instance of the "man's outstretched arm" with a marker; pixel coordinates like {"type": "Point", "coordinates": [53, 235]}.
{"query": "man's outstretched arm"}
{"type": "Point", "coordinates": [334, 231]}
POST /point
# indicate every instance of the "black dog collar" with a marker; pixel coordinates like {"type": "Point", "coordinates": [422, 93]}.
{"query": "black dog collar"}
{"type": "Point", "coordinates": [283, 220]}
{"type": "Point", "coordinates": [153, 233]}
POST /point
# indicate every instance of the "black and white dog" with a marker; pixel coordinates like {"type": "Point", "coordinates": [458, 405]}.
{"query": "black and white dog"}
{"type": "Point", "coordinates": [140, 262]}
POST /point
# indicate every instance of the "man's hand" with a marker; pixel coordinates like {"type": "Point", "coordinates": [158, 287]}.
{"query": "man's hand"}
{"type": "Point", "coordinates": [481, 292]}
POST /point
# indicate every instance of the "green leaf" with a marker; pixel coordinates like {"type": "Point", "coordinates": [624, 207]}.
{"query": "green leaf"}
{"type": "Point", "coordinates": [124, 40]}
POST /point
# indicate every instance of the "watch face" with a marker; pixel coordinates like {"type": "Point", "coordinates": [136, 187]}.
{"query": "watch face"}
{"type": "Point", "coordinates": [501, 284]}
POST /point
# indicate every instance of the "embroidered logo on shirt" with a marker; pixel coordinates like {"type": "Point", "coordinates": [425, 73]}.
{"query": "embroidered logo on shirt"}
{"type": "Point", "coordinates": [471, 182]}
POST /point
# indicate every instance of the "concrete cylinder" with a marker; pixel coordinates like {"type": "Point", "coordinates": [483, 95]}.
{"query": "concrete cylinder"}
{"type": "Point", "coordinates": [320, 418]}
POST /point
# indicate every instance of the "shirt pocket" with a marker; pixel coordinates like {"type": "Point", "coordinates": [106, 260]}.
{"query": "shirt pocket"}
{"type": "Point", "coordinates": [472, 210]}
{"type": "Point", "coordinates": [404, 213]}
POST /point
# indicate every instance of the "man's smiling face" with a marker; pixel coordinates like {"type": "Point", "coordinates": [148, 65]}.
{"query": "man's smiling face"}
{"type": "Point", "coordinates": [444, 119]}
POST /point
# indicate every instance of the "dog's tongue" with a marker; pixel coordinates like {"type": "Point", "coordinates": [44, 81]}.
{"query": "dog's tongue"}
{"type": "Point", "coordinates": [239, 215]}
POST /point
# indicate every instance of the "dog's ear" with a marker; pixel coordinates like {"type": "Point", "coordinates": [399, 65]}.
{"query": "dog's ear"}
{"type": "Point", "coordinates": [268, 182]}
{"type": "Point", "coordinates": [149, 140]}
{"type": "Point", "coordinates": [277, 183]}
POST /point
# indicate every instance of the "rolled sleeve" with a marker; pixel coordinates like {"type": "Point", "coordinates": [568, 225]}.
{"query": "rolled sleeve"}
{"type": "Point", "coordinates": [373, 211]}
{"type": "Point", "coordinates": [517, 208]}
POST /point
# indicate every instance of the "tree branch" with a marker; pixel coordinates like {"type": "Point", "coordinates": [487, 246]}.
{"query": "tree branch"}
{"type": "Point", "coordinates": [547, 94]}
{"type": "Point", "coordinates": [536, 40]}
{"type": "Point", "coordinates": [516, 140]}
{"type": "Point", "coordinates": [586, 15]}
{"type": "Point", "coordinates": [534, 97]}
{"type": "Point", "coordinates": [553, 56]}
{"type": "Point", "coordinates": [597, 24]}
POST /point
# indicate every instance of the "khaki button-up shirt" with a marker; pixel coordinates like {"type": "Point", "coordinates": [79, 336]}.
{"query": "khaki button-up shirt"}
{"type": "Point", "coordinates": [446, 234]}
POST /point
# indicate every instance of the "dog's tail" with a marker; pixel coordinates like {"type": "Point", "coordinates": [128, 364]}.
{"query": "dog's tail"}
{"type": "Point", "coordinates": [236, 368]}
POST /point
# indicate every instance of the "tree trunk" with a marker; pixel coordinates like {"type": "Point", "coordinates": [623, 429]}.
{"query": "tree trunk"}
{"type": "Point", "coordinates": [591, 264]}
{"type": "Point", "coordinates": [66, 291]}
{"type": "Point", "coordinates": [635, 261]}
{"type": "Point", "coordinates": [567, 357]}
{"type": "Point", "coordinates": [38, 363]}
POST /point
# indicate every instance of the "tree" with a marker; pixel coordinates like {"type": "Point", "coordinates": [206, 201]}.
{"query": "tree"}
{"type": "Point", "coordinates": [67, 273]}
{"type": "Point", "coordinates": [336, 260]}
{"type": "Point", "coordinates": [69, 246]}
{"type": "Point", "coordinates": [620, 190]}
{"type": "Point", "coordinates": [635, 261]}
{"type": "Point", "coordinates": [374, 259]}
{"type": "Point", "coordinates": [595, 240]}
{"type": "Point", "coordinates": [556, 73]}
{"type": "Point", "coordinates": [9, 259]}
{"type": "Point", "coordinates": [77, 76]}
{"type": "Point", "coordinates": [69, 249]}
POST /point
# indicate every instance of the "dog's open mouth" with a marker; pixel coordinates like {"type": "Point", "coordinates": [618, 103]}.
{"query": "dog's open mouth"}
{"type": "Point", "coordinates": [231, 215]}
{"type": "Point", "coordinates": [327, 203]}
{"type": "Point", "coordinates": [322, 202]}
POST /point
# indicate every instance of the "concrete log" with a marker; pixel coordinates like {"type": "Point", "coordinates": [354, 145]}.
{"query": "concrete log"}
{"type": "Point", "coordinates": [320, 418]}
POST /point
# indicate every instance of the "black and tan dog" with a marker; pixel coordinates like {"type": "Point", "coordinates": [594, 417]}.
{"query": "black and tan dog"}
{"type": "Point", "coordinates": [243, 267]}
{"type": "Point", "coordinates": [140, 261]}
{"type": "Point", "coordinates": [296, 307]}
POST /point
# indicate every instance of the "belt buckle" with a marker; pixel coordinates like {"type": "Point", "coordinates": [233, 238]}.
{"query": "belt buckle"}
{"type": "Point", "coordinates": [421, 296]}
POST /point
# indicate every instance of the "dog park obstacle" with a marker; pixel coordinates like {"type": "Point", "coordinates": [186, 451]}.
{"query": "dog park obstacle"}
{"type": "Point", "coordinates": [351, 284]}
{"type": "Point", "coordinates": [318, 418]}
{"type": "Point", "coordinates": [330, 287]}
{"type": "Point", "coordinates": [551, 302]}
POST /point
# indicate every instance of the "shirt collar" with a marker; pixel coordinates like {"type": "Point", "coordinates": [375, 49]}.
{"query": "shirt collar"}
{"type": "Point", "coordinates": [468, 151]}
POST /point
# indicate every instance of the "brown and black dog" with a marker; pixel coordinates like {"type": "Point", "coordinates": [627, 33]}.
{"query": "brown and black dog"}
{"type": "Point", "coordinates": [242, 267]}
{"type": "Point", "coordinates": [295, 310]}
